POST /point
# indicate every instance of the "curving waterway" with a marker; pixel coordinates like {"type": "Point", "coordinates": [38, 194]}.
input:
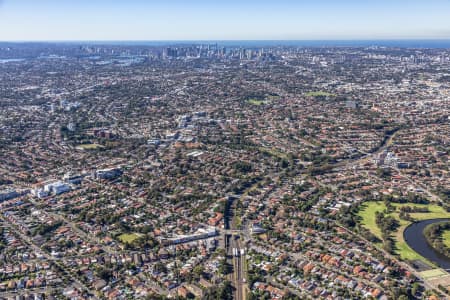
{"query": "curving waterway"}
{"type": "Point", "coordinates": [415, 239]}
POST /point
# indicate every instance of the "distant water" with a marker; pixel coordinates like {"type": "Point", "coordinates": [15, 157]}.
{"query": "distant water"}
{"type": "Point", "coordinates": [436, 44]}
{"type": "Point", "coordinates": [4, 61]}
{"type": "Point", "coordinates": [431, 44]}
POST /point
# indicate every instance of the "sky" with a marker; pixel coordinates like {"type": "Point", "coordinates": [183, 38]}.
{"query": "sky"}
{"type": "Point", "coordinates": [98, 20]}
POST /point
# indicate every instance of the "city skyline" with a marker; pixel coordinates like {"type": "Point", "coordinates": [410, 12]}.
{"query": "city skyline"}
{"type": "Point", "coordinates": [52, 20]}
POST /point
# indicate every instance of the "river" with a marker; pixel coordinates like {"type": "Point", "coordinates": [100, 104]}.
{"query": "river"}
{"type": "Point", "coordinates": [415, 239]}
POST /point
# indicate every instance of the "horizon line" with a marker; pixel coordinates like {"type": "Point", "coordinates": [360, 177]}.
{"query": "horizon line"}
{"type": "Point", "coordinates": [228, 40]}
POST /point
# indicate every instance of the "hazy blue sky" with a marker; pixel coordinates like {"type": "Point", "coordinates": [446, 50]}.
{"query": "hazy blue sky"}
{"type": "Point", "coordinates": [223, 19]}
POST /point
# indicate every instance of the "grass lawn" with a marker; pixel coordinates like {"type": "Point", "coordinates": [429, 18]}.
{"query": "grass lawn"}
{"type": "Point", "coordinates": [273, 152]}
{"type": "Point", "coordinates": [436, 211]}
{"type": "Point", "coordinates": [90, 146]}
{"type": "Point", "coordinates": [257, 102]}
{"type": "Point", "coordinates": [367, 215]}
{"type": "Point", "coordinates": [128, 237]}
{"type": "Point", "coordinates": [320, 94]}
{"type": "Point", "coordinates": [446, 238]}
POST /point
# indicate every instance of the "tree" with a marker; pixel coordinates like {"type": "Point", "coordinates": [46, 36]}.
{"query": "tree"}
{"type": "Point", "coordinates": [222, 292]}
{"type": "Point", "coordinates": [224, 267]}
{"type": "Point", "coordinates": [198, 271]}
{"type": "Point", "coordinates": [104, 273]}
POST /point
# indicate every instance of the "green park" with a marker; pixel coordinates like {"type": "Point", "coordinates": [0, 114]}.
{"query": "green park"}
{"type": "Point", "coordinates": [367, 216]}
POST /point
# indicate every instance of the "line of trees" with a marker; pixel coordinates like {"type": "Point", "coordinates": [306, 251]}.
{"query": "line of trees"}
{"type": "Point", "coordinates": [433, 234]}
{"type": "Point", "coordinates": [414, 209]}
{"type": "Point", "coordinates": [409, 198]}
{"type": "Point", "coordinates": [387, 225]}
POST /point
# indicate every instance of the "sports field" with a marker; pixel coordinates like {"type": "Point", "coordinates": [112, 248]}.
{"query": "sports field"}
{"type": "Point", "coordinates": [319, 94]}
{"type": "Point", "coordinates": [90, 146]}
{"type": "Point", "coordinates": [128, 237]}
